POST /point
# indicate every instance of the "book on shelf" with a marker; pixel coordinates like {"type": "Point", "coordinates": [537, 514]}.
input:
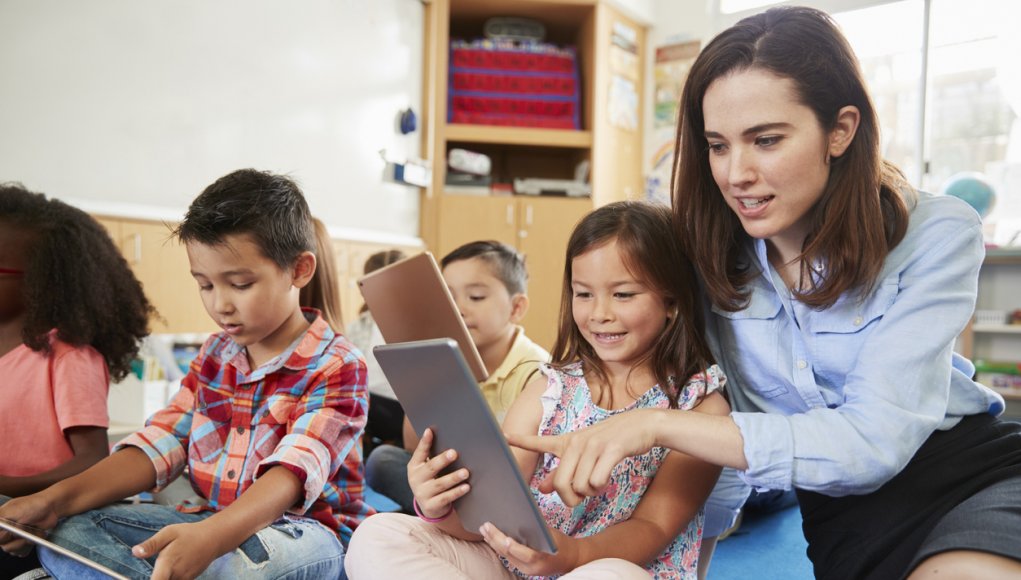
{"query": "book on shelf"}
{"type": "Point", "coordinates": [463, 183]}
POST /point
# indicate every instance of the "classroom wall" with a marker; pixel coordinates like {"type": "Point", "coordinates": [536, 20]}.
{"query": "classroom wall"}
{"type": "Point", "coordinates": [142, 104]}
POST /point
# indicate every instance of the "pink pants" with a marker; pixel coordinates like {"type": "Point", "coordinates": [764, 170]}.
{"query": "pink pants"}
{"type": "Point", "coordinates": [390, 545]}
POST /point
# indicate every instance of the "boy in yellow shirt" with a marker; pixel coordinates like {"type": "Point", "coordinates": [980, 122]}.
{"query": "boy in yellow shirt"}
{"type": "Point", "coordinates": [489, 282]}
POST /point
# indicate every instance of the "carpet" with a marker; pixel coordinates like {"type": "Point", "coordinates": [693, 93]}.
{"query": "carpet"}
{"type": "Point", "coordinates": [766, 546]}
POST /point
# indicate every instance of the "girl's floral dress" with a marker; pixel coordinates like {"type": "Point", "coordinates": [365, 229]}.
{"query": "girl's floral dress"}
{"type": "Point", "coordinates": [567, 406]}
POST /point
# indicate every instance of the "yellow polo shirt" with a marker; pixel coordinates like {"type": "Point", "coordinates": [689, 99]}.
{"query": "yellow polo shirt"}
{"type": "Point", "coordinates": [508, 380]}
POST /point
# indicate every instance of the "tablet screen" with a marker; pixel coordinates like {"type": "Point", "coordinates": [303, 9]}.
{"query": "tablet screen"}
{"type": "Point", "coordinates": [437, 390]}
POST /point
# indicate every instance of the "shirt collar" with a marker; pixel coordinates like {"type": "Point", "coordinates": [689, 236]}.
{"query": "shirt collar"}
{"type": "Point", "coordinates": [301, 354]}
{"type": "Point", "coordinates": [519, 350]}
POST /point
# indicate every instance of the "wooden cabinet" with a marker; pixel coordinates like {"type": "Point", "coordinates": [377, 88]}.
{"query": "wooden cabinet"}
{"type": "Point", "coordinates": [537, 226]}
{"type": "Point", "coordinates": [989, 340]}
{"type": "Point", "coordinates": [160, 263]}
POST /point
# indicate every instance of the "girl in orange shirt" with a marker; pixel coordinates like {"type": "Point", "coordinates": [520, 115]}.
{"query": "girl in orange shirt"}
{"type": "Point", "coordinates": [71, 317]}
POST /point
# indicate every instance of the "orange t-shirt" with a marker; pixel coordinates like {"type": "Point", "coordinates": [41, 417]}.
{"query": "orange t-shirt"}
{"type": "Point", "coordinates": [41, 396]}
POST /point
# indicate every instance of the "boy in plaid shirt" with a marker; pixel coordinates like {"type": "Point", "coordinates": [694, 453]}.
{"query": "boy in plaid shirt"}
{"type": "Point", "coordinates": [268, 419]}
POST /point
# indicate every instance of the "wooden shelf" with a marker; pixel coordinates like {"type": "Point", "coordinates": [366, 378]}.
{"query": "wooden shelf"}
{"type": "Point", "coordinates": [997, 328]}
{"type": "Point", "coordinates": [1009, 256]}
{"type": "Point", "coordinates": [519, 136]}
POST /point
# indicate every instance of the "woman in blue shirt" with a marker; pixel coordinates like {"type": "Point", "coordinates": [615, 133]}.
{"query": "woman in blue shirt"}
{"type": "Point", "coordinates": [836, 293]}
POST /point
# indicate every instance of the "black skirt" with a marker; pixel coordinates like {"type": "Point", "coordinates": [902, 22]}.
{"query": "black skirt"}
{"type": "Point", "coordinates": [885, 534]}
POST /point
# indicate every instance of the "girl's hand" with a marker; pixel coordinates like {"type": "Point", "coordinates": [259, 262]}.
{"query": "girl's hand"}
{"type": "Point", "coordinates": [34, 512]}
{"type": "Point", "coordinates": [434, 495]}
{"type": "Point", "coordinates": [533, 562]}
{"type": "Point", "coordinates": [181, 550]}
{"type": "Point", "coordinates": [588, 456]}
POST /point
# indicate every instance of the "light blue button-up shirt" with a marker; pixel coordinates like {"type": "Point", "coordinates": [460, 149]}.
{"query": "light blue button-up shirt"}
{"type": "Point", "coordinates": [838, 400]}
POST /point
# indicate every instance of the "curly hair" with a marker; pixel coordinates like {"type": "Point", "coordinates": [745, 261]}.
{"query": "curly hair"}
{"type": "Point", "coordinates": [76, 280]}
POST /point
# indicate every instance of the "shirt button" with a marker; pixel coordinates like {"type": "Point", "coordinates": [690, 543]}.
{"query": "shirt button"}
{"type": "Point", "coordinates": [230, 474]}
{"type": "Point", "coordinates": [802, 364]}
{"type": "Point", "coordinates": [858, 320]}
{"type": "Point", "coordinates": [241, 430]}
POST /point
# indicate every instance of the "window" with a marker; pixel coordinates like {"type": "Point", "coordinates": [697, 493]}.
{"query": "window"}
{"type": "Point", "coordinates": [963, 116]}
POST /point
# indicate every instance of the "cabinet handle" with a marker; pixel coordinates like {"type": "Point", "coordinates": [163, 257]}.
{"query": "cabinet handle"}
{"type": "Point", "coordinates": [137, 238]}
{"type": "Point", "coordinates": [528, 215]}
{"type": "Point", "coordinates": [510, 214]}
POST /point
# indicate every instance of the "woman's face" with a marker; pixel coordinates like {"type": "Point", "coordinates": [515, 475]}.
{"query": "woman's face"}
{"type": "Point", "coordinates": [768, 154]}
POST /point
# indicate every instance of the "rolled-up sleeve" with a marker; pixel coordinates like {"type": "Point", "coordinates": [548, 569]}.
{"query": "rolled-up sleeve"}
{"type": "Point", "coordinates": [327, 424]}
{"type": "Point", "coordinates": [164, 439]}
{"type": "Point", "coordinates": [864, 425]}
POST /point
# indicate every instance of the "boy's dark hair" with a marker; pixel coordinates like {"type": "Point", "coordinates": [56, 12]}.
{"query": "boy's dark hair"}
{"type": "Point", "coordinates": [76, 280]}
{"type": "Point", "coordinates": [508, 264]}
{"type": "Point", "coordinates": [268, 207]}
{"type": "Point", "coordinates": [652, 254]}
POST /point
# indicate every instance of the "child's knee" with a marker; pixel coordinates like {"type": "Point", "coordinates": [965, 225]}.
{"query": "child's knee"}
{"type": "Point", "coordinates": [377, 537]}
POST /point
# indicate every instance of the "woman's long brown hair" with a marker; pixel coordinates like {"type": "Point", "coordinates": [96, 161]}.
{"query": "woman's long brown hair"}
{"type": "Point", "coordinates": [863, 212]}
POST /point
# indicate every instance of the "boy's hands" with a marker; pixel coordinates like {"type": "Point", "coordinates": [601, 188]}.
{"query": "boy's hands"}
{"type": "Point", "coordinates": [434, 495]}
{"type": "Point", "coordinates": [533, 562]}
{"type": "Point", "coordinates": [32, 510]}
{"type": "Point", "coordinates": [181, 550]}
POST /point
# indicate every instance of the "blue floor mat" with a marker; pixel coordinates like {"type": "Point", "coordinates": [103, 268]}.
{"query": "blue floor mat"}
{"type": "Point", "coordinates": [380, 502]}
{"type": "Point", "coordinates": [764, 547]}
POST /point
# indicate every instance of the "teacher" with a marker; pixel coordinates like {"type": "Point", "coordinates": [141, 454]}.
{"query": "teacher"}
{"type": "Point", "coordinates": [836, 294]}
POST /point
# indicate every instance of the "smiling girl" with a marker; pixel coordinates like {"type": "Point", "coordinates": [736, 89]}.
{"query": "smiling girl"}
{"type": "Point", "coordinates": [629, 339]}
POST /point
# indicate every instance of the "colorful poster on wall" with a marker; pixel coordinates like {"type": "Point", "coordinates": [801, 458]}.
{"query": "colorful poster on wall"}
{"type": "Point", "coordinates": [624, 51]}
{"type": "Point", "coordinates": [672, 64]}
{"type": "Point", "coordinates": [623, 103]}
{"type": "Point", "coordinates": [669, 72]}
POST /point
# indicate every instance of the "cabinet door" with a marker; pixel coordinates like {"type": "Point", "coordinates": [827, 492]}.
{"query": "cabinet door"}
{"type": "Point", "coordinates": [468, 218]}
{"type": "Point", "coordinates": [545, 227]}
{"type": "Point", "coordinates": [113, 227]}
{"type": "Point", "coordinates": [160, 263]}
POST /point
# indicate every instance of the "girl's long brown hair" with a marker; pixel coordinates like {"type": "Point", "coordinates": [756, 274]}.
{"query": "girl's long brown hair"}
{"type": "Point", "coordinates": [652, 254]}
{"type": "Point", "coordinates": [863, 212]}
{"type": "Point", "coordinates": [323, 290]}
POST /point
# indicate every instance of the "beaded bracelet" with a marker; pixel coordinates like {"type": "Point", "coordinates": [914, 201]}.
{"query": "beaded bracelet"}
{"type": "Point", "coordinates": [426, 518]}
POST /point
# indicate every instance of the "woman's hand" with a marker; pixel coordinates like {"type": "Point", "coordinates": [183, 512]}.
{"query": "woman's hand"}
{"type": "Point", "coordinates": [434, 495]}
{"type": "Point", "coordinates": [533, 562]}
{"type": "Point", "coordinates": [588, 456]}
{"type": "Point", "coordinates": [181, 550]}
{"type": "Point", "coordinates": [35, 512]}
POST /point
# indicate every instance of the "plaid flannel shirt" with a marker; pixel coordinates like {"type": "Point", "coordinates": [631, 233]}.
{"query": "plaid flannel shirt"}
{"type": "Point", "coordinates": [305, 410]}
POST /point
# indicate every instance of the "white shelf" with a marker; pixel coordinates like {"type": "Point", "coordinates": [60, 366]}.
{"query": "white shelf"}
{"type": "Point", "coordinates": [997, 328]}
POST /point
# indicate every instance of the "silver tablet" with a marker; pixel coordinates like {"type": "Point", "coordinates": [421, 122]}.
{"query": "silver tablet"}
{"type": "Point", "coordinates": [437, 390]}
{"type": "Point", "coordinates": [409, 300]}
{"type": "Point", "coordinates": [23, 532]}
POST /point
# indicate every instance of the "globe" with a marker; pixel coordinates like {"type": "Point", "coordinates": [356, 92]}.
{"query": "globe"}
{"type": "Point", "coordinates": [974, 189]}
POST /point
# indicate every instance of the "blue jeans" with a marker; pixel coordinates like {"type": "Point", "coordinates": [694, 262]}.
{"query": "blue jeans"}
{"type": "Point", "coordinates": [386, 471]}
{"type": "Point", "coordinates": [292, 547]}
